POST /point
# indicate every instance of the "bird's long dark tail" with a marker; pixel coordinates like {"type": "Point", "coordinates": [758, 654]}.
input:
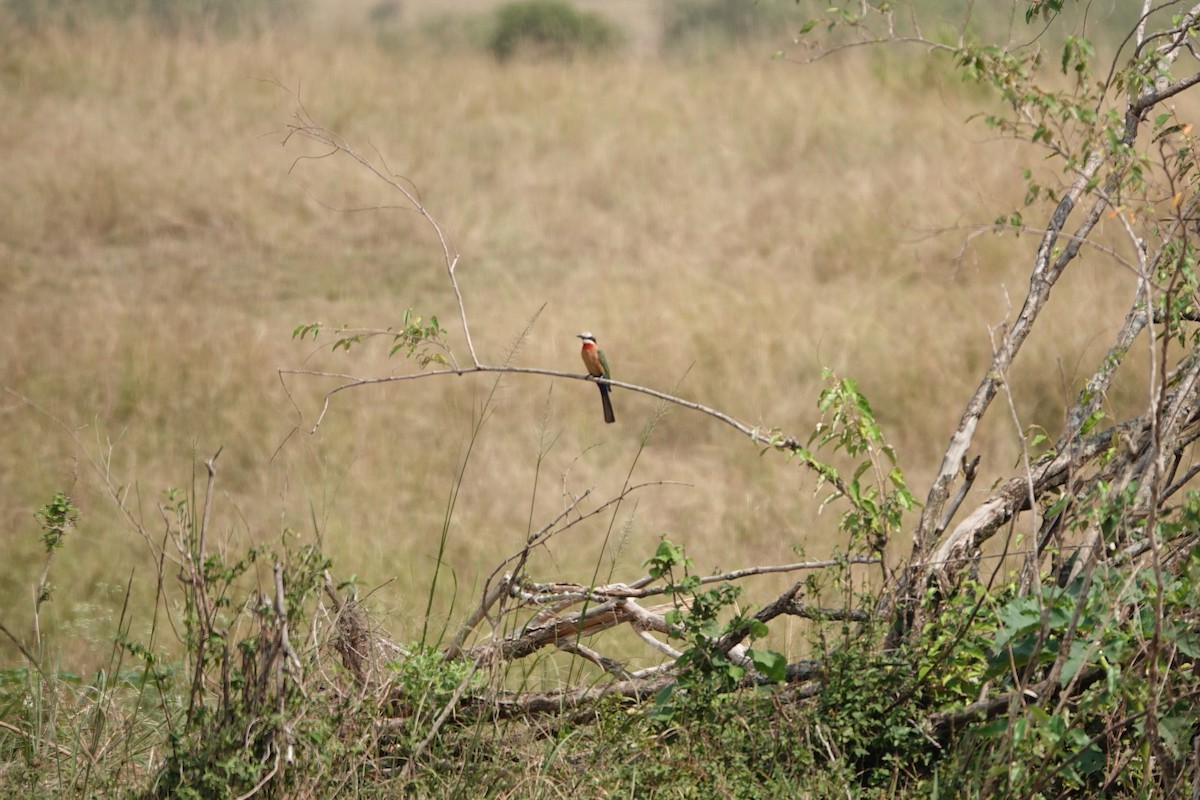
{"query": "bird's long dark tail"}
{"type": "Point", "coordinates": [608, 412]}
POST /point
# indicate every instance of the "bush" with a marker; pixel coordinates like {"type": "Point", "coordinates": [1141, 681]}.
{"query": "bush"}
{"type": "Point", "coordinates": [705, 24]}
{"type": "Point", "coordinates": [548, 28]}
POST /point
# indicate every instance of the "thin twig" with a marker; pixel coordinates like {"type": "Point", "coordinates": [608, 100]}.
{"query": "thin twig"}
{"type": "Point", "coordinates": [309, 129]}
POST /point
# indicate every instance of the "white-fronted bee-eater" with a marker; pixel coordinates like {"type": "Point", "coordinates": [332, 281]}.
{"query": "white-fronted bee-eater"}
{"type": "Point", "coordinates": [597, 367]}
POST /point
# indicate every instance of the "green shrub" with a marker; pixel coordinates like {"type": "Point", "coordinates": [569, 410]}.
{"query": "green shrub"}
{"type": "Point", "coordinates": [709, 24]}
{"type": "Point", "coordinates": [548, 28]}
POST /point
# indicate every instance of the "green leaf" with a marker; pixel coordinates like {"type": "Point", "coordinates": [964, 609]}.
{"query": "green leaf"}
{"type": "Point", "coordinates": [1090, 422]}
{"type": "Point", "coordinates": [770, 663]}
{"type": "Point", "coordinates": [667, 555]}
{"type": "Point", "coordinates": [1176, 734]}
{"type": "Point", "coordinates": [1075, 661]}
{"type": "Point", "coordinates": [1189, 644]}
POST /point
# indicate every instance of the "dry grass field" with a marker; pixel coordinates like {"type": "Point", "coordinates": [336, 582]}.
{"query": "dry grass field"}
{"type": "Point", "coordinates": [727, 226]}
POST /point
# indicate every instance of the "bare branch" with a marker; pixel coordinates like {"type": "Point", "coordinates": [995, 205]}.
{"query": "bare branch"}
{"type": "Point", "coordinates": [1046, 271]}
{"type": "Point", "coordinates": [307, 128]}
{"type": "Point", "coordinates": [754, 433]}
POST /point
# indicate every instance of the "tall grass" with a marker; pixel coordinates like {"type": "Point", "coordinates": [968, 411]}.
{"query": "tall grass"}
{"type": "Point", "coordinates": [728, 226]}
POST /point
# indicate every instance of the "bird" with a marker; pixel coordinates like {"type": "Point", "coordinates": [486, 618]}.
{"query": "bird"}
{"type": "Point", "coordinates": [597, 367]}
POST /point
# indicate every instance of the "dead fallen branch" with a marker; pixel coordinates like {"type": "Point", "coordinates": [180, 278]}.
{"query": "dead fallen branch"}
{"type": "Point", "coordinates": [612, 605]}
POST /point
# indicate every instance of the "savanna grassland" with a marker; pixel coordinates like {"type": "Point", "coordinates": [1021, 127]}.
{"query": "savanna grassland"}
{"type": "Point", "coordinates": [226, 574]}
{"type": "Point", "coordinates": [728, 225]}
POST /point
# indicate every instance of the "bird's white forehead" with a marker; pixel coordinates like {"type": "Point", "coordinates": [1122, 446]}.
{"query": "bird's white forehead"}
{"type": "Point", "coordinates": [585, 335]}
